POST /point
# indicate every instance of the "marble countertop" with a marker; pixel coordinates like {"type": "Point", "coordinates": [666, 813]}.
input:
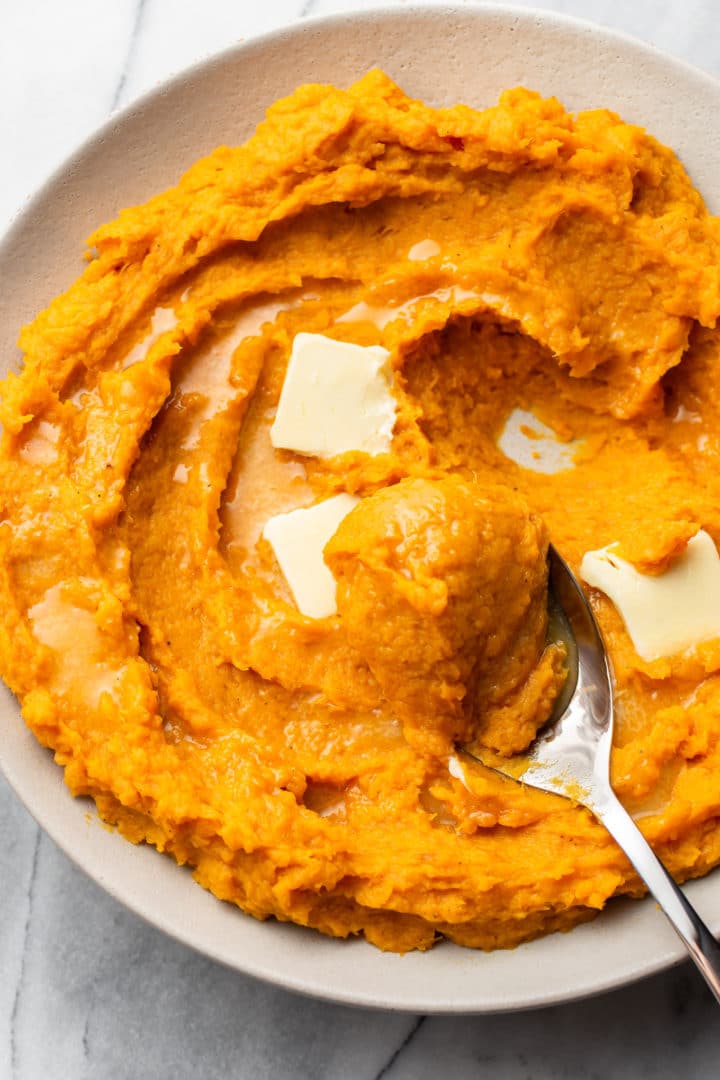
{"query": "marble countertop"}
{"type": "Point", "coordinates": [89, 990]}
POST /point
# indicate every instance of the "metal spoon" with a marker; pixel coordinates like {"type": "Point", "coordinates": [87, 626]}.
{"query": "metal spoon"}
{"type": "Point", "coordinates": [571, 757]}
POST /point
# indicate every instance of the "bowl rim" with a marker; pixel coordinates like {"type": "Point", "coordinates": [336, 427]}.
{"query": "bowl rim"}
{"type": "Point", "coordinates": [242, 51]}
{"type": "Point", "coordinates": [368, 14]}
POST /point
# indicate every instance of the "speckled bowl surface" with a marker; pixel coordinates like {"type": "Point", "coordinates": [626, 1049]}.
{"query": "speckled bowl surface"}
{"type": "Point", "coordinates": [444, 55]}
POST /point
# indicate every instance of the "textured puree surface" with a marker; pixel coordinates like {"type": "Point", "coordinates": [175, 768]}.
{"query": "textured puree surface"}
{"type": "Point", "coordinates": [519, 258]}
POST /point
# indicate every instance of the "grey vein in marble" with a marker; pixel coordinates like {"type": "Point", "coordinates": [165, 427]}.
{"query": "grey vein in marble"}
{"type": "Point", "coordinates": [23, 956]}
{"type": "Point", "coordinates": [390, 1063]}
{"type": "Point", "coordinates": [130, 55]}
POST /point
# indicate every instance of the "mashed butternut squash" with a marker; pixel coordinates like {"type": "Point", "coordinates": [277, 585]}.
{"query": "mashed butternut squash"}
{"type": "Point", "coordinates": [516, 258]}
{"type": "Point", "coordinates": [443, 592]}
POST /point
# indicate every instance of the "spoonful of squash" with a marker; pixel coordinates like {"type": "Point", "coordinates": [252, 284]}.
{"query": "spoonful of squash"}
{"type": "Point", "coordinates": [571, 757]}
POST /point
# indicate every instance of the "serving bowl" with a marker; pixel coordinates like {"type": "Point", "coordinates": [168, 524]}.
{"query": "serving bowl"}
{"type": "Point", "coordinates": [443, 55]}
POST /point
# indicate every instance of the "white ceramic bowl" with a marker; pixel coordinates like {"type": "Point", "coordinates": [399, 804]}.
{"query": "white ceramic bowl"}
{"type": "Point", "coordinates": [442, 55]}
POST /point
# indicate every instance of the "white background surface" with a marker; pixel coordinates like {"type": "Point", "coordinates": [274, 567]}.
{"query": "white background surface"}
{"type": "Point", "coordinates": [86, 988]}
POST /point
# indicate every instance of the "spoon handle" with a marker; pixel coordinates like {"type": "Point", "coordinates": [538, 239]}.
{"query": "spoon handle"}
{"type": "Point", "coordinates": [693, 932]}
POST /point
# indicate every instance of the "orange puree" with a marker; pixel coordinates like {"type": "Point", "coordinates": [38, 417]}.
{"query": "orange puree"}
{"type": "Point", "coordinates": [443, 592]}
{"type": "Point", "coordinates": [517, 258]}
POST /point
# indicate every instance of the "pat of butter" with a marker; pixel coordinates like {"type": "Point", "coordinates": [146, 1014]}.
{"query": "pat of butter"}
{"type": "Point", "coordinates": [336, 397]}
{"type": "Point", "coordinates": [668, 613]}
{"type": "Point", "coordinates": [535, 446]}
{"type": "Point", "coordinates": [298, 540]}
